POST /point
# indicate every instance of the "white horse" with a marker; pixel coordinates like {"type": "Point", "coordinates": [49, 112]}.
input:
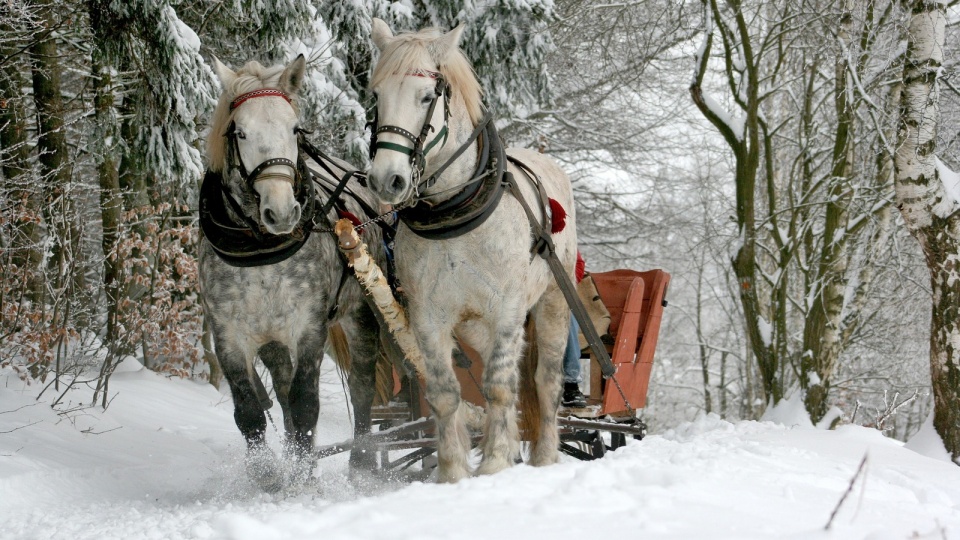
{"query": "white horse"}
{"type": "Point", "coordinates": [270, 287]}
{"type": "Point", "coordinates": [464, 254]}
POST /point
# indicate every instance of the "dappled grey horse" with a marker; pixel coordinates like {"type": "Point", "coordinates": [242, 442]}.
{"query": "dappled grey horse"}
{"type": "Point", "coordinates": [271, 276]}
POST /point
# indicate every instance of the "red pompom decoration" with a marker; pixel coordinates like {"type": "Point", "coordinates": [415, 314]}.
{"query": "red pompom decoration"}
{"type": "Point", "coordinates": [581, 267]}
{"type": "Point", "coordinates": [353, 219]}
{"type": "Point", "coordinates": [559, 220]}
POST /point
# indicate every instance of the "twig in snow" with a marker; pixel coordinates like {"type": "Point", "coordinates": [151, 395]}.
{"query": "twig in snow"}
{"type": "Point", "coordinates": [20, 427]}
{"type": "Point", "coordinates": [853, 480]}
{"type": "Point", "coordinates": [18, 408]}
{"type": "Point", "coordinates": [90, 431]}
{"type": "Point", "coordinates": [892, 409]}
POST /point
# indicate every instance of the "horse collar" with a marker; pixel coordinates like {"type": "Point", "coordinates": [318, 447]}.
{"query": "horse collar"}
{"type": "Point", "coordinates": [472, 205]}
{"type": "Point", "coordinates": [243, 245]}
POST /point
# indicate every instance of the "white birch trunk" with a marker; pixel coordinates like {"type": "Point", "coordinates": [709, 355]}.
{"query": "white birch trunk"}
{"type": "Point", "coordinates": [929, 210]}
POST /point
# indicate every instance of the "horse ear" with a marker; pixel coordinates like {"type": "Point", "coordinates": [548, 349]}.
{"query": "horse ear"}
{"type": "Point", "coordinates": [292, 77]}
{"type": "Point", "coordinates": [381, 33]}
{"type": "Point", "coordinates": [225, 74]}
{"type": "Point", "coordinates": [446, 44]}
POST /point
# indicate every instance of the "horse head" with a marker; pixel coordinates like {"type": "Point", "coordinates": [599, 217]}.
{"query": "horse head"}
{"type": "Point", "coordinates": [425, 90]}
{"type": "Point", "coordinates": [254, 141]}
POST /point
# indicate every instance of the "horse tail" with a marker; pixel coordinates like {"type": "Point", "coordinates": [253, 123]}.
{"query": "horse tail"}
{"type": "Point", "coordinates": [339, 346]}
{"type": "Point", "coordinates": [384, 382]}
{"type": "Point", "coordinates": [529, 403]}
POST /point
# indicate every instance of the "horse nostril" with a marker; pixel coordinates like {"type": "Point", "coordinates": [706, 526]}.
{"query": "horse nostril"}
{"type": "Point", "coordinates": [269, 217]}
{"type": "Point", "coordinates": [396, 182]}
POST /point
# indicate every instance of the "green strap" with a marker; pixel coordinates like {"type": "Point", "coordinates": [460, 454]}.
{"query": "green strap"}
{"type": "Point", "coordinates": [395, 147]}
{"type": "Point", "coordinates": [441, 133]}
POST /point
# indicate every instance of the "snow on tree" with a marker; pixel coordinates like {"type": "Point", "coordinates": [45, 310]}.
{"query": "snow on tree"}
{"type": "Point", "coordinates": [926, 196]}
{"type": "Point", "coordinates": [508, 42]}
{"type": "Point", "coordinates": [169, 85]}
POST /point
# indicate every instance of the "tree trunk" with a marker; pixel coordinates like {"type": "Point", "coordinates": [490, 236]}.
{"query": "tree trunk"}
{"type": "Point", "coordinates": [25, 198]}
{"type": "Point", "coordinates": [746, 149]}
{"type": "Point", "coordinates": [111, 199]}
{"type": "Point", "coordinates": [930, 212]}
{"type": "Point", "coordinates": [823, 335]}
{"type": "Point", "coordinates": [53, 152]}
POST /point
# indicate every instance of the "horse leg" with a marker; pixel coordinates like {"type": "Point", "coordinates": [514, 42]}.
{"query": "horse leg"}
{"type": "Point", "coordinates": [364, 339]}
{"type": "Point", "coordinates": [501, 444]}
{"type": "Point", "coordinates": [276, 357]}
{"type": "Point", "coordinates": [443, 396]}
{"type": "Point", "coordinates": [304, 402]}
{"type": "Point", "coordinates": [261, 464]}
{"type": "Point", "coordinates": [552, 318]}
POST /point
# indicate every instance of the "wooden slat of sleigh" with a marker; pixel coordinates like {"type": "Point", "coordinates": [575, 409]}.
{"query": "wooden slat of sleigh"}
{"type": "Point", "coordinates": [635, 302]}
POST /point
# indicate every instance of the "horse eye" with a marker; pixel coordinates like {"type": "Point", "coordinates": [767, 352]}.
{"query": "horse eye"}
{"type": "Point", "coordinates": [427, 99]}
{"type": "Point", "coordinates": [240, 134]}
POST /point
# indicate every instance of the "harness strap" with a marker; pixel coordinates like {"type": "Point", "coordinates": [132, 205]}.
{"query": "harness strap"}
{"type": "Point", "coordinates": [418, 152]}
{"type": "Point", "coordinates": [262, 92]}
{"type": "Point", "coordinates": [481, 126]}
{"type": "Point", "coordinates": [344, 275]}
{"type": "Point", "coordinates": [256, 173]}
{"type": "Point", "coordinates": [543, 245]}
{"type": "Point", "coordinates": [252, 224]}
{"type": "Point", "coordinates": [476, 201]}
{"type": "Point", "coordinates": [322, 159]}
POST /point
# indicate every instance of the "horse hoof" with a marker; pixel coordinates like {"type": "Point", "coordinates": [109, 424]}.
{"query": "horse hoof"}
{"type": "Point", "coordinates": [544, 459]}
{"type": "Point", "coordinates": [362, 459]}
{"type": "Point", "coordinates": [451, 475]}
{"type": "Point", "coordinates": [493, 466]}
{"type": "Point", "coordinates": [263, 470]}
{"type": "Point", "coordinates": [301, 471]}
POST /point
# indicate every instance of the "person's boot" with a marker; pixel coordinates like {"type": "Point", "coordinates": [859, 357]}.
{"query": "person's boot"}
{"type": "Point", "coordinates": [572, 396]}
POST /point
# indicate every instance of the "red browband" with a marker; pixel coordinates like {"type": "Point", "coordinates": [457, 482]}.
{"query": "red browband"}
{"type": "Point", "coordinates": [263, 92]}
{"type": "Point", "coordinates": [424, 73]}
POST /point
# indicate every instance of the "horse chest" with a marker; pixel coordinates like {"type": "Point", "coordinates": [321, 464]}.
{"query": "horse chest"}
{"type": "Point", "coordinates": [264, 303]}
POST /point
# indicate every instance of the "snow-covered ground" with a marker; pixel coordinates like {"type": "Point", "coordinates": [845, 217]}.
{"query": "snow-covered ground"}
{"type": "Point", "coordinates": [165, 461]}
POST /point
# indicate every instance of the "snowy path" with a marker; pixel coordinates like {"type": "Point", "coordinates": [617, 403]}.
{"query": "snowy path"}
{"type": "Point", "coordinates": [167, 464]}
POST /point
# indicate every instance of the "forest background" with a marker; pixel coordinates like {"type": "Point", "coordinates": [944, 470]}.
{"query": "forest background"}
{"type": "Point", "coordinates": [748, 148]}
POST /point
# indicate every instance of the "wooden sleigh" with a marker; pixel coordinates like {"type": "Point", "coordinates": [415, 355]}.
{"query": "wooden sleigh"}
{"type": "Point", "coordinates": [635, 302]}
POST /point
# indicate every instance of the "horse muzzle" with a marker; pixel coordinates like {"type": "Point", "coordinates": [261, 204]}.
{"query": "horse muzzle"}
{"type": "Point", "coordinates": [279, 210]}
{"type": "Point", "coordinates": [390, 187]}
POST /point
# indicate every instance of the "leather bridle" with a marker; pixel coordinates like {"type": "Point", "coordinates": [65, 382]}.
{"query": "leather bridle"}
{"type": "Point", "coordinates": [257, 173]}
{"type": "Point", "coordinates": [420, 147]}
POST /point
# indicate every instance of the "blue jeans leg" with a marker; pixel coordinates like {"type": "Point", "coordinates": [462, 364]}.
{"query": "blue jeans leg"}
{"type": "Point", "coordinates": [571, 356]}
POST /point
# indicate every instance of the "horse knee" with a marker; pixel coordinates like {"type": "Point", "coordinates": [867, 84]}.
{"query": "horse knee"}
{"type": "Point", "coordinates": [499, 395]}
{"type": "Point", "coordinates": [443, 405]}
